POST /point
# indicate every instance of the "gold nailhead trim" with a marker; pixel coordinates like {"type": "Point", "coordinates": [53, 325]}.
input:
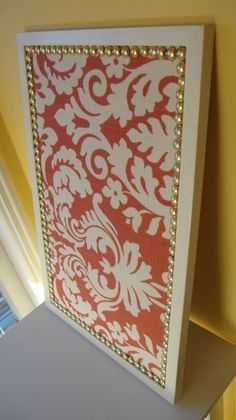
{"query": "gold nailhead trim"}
{"type": "Point", "coordinates": [180, 54]}
{"type": "Point", "coordinates": [171, 53]}
{"type": "Point", "coordinates": [162, 53]}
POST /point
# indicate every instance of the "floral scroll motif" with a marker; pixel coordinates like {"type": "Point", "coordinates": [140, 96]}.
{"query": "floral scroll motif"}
{"type": "Point", "coordinates": [106, 127]}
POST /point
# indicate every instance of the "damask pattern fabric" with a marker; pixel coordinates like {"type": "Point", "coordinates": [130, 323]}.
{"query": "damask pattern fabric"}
{"type": "Point", "coordinates": [106, 127]}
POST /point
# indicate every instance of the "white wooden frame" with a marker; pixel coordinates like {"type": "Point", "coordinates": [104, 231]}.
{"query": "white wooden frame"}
{"type": "Point", "coordinates": [198, 41]}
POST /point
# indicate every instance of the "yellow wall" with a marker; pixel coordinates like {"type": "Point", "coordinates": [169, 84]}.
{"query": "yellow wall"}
{"type": "Point", "coordinates": [215, 285]}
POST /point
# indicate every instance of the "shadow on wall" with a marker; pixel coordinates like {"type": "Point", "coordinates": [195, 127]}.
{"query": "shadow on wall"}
{"type": "Point", "coordinates": [207, 305]}
{"type": "Point", "coordinates": [11, 164]}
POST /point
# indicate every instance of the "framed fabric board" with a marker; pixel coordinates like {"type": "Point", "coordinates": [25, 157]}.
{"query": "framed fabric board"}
{"type": "Point", "coordinates": [116, 125]}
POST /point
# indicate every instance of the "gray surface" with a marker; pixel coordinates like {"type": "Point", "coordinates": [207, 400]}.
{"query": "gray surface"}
{"type": "Point", "coordinates": [49, 372]}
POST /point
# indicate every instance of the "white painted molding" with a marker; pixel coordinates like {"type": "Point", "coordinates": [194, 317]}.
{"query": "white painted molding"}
{"type": "Point", "coordinates": [12, 288]}
{"type": "Point", "coordinates": [17, 241]}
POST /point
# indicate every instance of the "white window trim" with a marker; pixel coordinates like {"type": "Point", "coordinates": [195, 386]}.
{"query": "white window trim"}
{"type": "Point", "coordinates": [18, 245]}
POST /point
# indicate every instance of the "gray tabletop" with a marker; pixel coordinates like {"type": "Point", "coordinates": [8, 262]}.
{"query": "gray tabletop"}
{"type": "Point", "coordinates": [50, 372]}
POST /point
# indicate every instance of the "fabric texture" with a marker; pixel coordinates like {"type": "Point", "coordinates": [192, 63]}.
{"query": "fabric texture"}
{"type": "Point", "coordinates": [106, 128]}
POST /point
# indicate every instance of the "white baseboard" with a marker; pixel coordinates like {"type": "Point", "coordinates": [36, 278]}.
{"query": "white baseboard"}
{"type": "Point", "coordinates": [17, 241]}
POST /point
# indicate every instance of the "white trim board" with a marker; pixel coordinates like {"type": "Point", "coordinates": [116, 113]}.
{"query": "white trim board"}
{"type": "Point", "coordinates": [16, 240]}
{"type": "Point", "coordinates": [12, 288]}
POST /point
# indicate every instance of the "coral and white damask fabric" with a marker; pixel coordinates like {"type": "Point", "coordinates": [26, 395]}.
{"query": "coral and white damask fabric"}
{"type": "Point", "coordinates": [106, 129]}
